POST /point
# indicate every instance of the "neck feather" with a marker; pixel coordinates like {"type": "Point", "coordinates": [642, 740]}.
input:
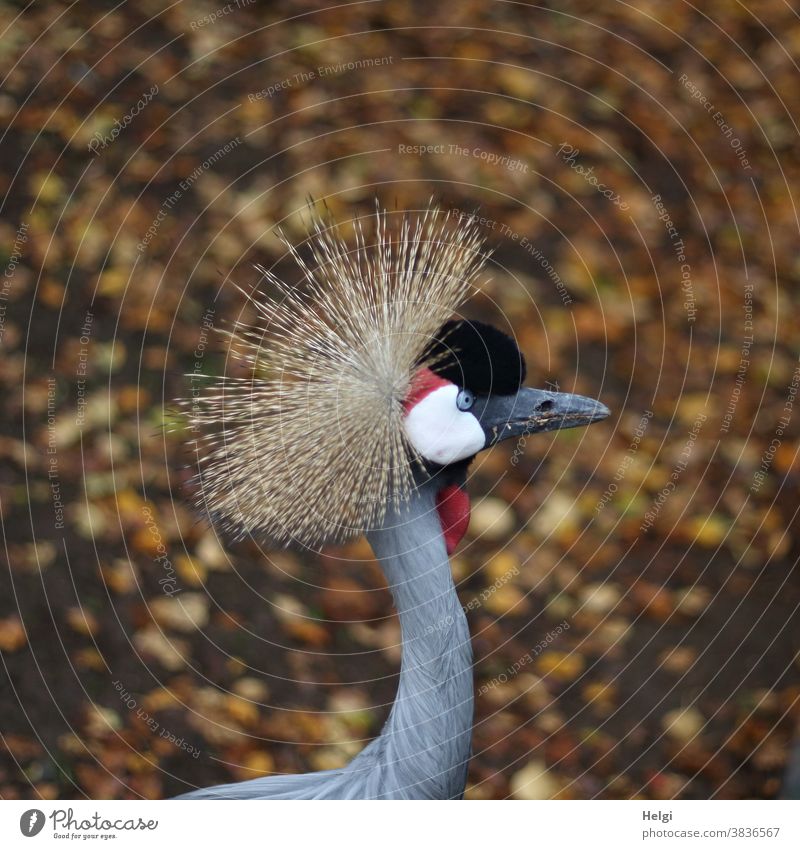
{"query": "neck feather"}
{"type": "Point", "coordinates": [425, 743]}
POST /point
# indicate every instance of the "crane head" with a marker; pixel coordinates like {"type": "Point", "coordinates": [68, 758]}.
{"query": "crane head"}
{"type": "Point", "coordinates": [358, 379]}
{"type": "Point", "coordinates": [471, 397]}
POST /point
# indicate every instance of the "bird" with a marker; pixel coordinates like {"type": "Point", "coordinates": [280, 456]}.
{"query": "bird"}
{"type": "Point", "coordinates": [368, 395]}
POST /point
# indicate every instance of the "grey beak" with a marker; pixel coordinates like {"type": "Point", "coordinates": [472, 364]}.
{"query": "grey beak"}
{"type": "Point", "coordinates": [534, 411]}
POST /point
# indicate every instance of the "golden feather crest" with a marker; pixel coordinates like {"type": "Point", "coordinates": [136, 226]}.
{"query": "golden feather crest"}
{"type": "Point", "coordinates": [310, 448]}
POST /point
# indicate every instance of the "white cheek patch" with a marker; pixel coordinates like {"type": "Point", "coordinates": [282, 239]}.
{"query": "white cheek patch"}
{"type": "Point", "coordinates": [440, 431]}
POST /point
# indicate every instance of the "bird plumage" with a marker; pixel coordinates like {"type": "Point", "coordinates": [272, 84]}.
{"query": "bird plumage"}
{"type": "Point", "coordinates": [366, 405]}
{"type": "Point", "coordinates": [423, 750]}
{"type": "Point", "coordinates": [309, 448]}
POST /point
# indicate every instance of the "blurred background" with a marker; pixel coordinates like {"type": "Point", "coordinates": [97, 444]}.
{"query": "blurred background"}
{"type": "Point", "coordinates": [632, 588]}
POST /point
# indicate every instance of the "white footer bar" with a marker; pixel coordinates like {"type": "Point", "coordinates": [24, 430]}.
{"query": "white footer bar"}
{"type": "Point", "coordinates": [405, 825]}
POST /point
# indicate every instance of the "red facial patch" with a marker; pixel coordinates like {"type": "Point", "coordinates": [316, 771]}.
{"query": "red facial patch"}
{"type": "Point", "coordinates": [452, 505]}
{"type": "Point", "coordinates": [422, 384]}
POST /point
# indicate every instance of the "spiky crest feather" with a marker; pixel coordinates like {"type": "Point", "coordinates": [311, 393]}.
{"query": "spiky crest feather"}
{"type": "Point", "coordinates": [311, 447]}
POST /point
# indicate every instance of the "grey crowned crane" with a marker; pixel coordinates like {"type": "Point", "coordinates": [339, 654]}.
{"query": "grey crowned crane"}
{"type": "Point", "coordinates": [366, 405]}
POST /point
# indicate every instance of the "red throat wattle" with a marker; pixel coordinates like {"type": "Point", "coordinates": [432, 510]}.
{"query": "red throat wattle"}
{"type": "Point", "coordinates": [452, 505]}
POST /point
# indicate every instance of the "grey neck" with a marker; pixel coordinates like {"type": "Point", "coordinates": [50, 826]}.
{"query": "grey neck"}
{"type": "Point", "coordinates": [425, 744]}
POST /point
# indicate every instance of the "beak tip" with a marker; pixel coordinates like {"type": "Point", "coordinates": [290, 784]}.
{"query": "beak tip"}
{"type": "Point", "coordinates": [601, 412]}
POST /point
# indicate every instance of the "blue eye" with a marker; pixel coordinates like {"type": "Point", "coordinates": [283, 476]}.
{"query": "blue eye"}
{"type": "Point", "coordinates": [465, 400]}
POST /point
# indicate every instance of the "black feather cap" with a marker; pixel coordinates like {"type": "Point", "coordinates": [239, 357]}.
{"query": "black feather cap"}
{"type": "Point", "coordinates": [477, 357]}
